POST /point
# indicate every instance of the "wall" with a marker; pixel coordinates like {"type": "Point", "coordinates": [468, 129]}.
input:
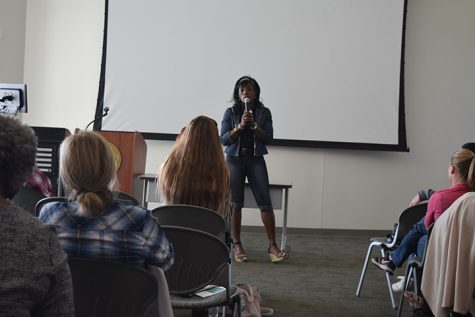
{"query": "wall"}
{"type": "Point", "coordinates": [12, 40]}
{"type": "Point", "coordinates": [331, 188]}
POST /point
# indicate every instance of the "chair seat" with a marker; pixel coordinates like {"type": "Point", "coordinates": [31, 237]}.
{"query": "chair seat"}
{"type": "Point", "coordinates": [379, 239]}
{"type": "Point", "coordinates": [197, 302]}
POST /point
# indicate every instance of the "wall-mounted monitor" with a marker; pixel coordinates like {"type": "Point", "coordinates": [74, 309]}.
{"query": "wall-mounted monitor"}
{"type": "Point", "coordinates": [13, 98]}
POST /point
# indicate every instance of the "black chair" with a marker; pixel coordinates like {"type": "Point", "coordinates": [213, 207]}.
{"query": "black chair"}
{"type": "Point", "coordinates": [44, 201]}
{"type": "Point", "coordinates": [126, 198]}
{"type": "Point", "coordinates": [201, 259]}
{"type": "Point", "coordinates": [414, 268]}
{"type": "Point", "coordinates": [407, 219]}
{"type": "Point", "coordinates": [27, 199]}
{"type": "Point", "coordinates": [103, 289]}
{"type": "Point", "coordinates": [193, 217]}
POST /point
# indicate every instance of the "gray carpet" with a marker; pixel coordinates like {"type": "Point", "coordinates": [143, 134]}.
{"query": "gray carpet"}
{"type": "Point", "coordinates": [319, 278]}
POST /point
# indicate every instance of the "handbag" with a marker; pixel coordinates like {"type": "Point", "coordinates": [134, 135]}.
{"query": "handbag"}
{"type": "Point", "coordinates": [250, 300]}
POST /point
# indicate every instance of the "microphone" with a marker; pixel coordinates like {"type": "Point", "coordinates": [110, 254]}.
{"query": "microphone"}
{"type": "Point", "coordinates": [106, 111]}
{"type": "Point", "coordinates": [246, 101]}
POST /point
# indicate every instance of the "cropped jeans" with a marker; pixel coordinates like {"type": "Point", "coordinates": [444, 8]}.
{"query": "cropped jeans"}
{"type": "Point", "coordinates": [255, 169]}
{"type": "Point", "coordinates": [410, 244]}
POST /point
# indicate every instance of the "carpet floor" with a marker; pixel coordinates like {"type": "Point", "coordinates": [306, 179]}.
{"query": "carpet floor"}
{"type": "Point", "coordinates": [319, 279]}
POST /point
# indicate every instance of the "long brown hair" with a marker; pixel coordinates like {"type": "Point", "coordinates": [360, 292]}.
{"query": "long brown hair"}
{"type": "Point", "coordinates": [87, 168]}
{"type": "Point", "coordinates": [464, 160]}
{"type": "Point", "coordinates": [195, 172]}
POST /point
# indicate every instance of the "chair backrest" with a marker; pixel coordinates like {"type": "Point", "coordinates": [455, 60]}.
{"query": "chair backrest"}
{"type": "Point", "coordinates": [105, 289]}
{"type": "Point", "coordinates": [44, 201]}
{"type": "Point", "coordinates": [193, 217]}
{"type": "Point", "coordinates": [27, 198]}
{"type": "Point", "coordinates": [126, 198]}
{"type": "Point", "coordinates": [200, 260]}
{"type": "Point", "coordinates": [408, 218]}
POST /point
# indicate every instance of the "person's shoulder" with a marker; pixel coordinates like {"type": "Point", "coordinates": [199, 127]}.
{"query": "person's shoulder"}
{"type": "Point", "coordinates": [26, 225]}
{"type": "Point", "coordinates": [56, 207]}
{"type": "Point", "coordinates": [137, 213]}
{"type": "Point", "coordinates": [438, 194]}
{"type": "Point", "coordinates": [264, 108]}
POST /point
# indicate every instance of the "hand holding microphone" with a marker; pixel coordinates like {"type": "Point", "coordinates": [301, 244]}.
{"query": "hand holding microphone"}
{"type": "Point", "coordinates": [247, 100]}
{"type": "Point", "coordinates": [247, 117]}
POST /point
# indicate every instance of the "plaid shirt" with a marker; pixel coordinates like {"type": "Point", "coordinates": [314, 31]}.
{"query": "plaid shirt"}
{"type": "Point", "coordinates": [40, 183]}
{"type": "Point", "coordinates": [122, 233]}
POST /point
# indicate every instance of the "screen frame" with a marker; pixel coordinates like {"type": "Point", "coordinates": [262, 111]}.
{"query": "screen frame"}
{"type": "Point", "coordinates": [401, 145]}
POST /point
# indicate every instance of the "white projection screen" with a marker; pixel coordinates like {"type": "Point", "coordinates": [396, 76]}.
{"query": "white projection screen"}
{"type": "Point", "coordinates": [329, 70]}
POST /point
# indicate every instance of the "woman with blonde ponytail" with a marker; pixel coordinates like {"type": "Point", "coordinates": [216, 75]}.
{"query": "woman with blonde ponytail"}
{"type": "Point", "coordinates": [461, 172]}
{"type": "Point", "coordinates": [92, 223]}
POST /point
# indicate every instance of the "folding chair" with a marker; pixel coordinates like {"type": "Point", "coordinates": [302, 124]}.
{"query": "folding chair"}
{"type": "Point", "coordinates": [414, 265]}
{"type": "Point", "coordinates": [407, 219]}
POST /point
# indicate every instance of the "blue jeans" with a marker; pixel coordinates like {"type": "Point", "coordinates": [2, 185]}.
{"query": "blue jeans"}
{"type": "Point", "coordinates": [255, 169]}
{"type": "Point", "coordinates": [409, 243]}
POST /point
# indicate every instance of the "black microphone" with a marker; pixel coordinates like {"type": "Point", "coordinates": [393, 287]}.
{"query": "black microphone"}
{"type": "Point", "coordinates": [106, 111]}
{"type": "Point", "coordinates": [246, 101]}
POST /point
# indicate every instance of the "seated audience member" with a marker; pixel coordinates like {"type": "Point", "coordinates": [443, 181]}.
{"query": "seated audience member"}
{"type": "Point", "coordinates": [423, 195]}
{"type": "Point", "coordinates": [461, 172]}
{"type": "Point", "coordinates": [195, 172]}
{"type": "Point", "coordinates": [92, 223]}
{"type": "Point", "coordinates": [35, 277]}
{"type": "Point", "coordinates": [40, 183]}
{"type": "Point", "coordinates": [448, 281]}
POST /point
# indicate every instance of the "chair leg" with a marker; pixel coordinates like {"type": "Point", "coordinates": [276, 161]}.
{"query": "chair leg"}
{"type": "Point", "coordinates": [388, 281]}
{"type": "Point", "coordinates": [390, 289]}
{"type": "Point", "coordinates": [416, 281]}
{"type": "Point", "coordinates": [407, 277]}
{"type": "Point", "coordinates": [363, 270]}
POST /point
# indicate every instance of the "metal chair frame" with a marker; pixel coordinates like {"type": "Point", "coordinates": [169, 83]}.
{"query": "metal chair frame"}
{"type": "Point", "coordinates": [414, 264]}
{"type": "Point", "coordinates": [407, 219]}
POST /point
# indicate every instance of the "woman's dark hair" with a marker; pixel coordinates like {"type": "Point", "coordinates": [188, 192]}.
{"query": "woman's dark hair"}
{"type": "Point", "coordinates": [241, 82]}
{"type": "Point", "coordinates": [17, 154]}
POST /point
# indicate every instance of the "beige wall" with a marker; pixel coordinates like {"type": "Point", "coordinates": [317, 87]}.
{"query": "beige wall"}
{"type": "Point", "coordinates": [331, 188]}
{"type": "Point", "coordinates": [12, 40]}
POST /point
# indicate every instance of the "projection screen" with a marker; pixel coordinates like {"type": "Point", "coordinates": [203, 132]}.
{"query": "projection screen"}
{"type": "Point", "coordinates": [331, 71]}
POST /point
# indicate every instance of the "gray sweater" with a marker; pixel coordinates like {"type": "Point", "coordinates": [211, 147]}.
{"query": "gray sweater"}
{"type": "Point", "coordinates": [34, 274]}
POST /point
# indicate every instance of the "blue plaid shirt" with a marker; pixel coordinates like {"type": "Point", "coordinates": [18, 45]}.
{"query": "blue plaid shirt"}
{"type": "Point", "coordinates": [122, 233]}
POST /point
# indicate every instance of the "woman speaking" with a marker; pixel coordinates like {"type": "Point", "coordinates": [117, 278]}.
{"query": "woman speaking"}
{"type": "Point", "coordinates": [245, 130]}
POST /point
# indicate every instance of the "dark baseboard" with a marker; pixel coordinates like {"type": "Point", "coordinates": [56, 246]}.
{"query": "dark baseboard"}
{"type": "Point", "coordinates": [318, 231]}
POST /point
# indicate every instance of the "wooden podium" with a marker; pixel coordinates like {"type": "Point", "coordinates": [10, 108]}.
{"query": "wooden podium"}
{"type": "Point", "coordinates": [131, 152]}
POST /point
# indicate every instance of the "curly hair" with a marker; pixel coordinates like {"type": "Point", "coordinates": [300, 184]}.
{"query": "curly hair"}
{"type": "Point", "coordinates": [17, 154]}
{"type": "Point", "coordinates": [87, 167]}
{"type": "Point", "coordinates": [195, 172]}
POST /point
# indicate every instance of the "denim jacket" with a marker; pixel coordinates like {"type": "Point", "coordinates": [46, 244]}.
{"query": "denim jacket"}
{"type": "Point", "coordinates": [231, 119]}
